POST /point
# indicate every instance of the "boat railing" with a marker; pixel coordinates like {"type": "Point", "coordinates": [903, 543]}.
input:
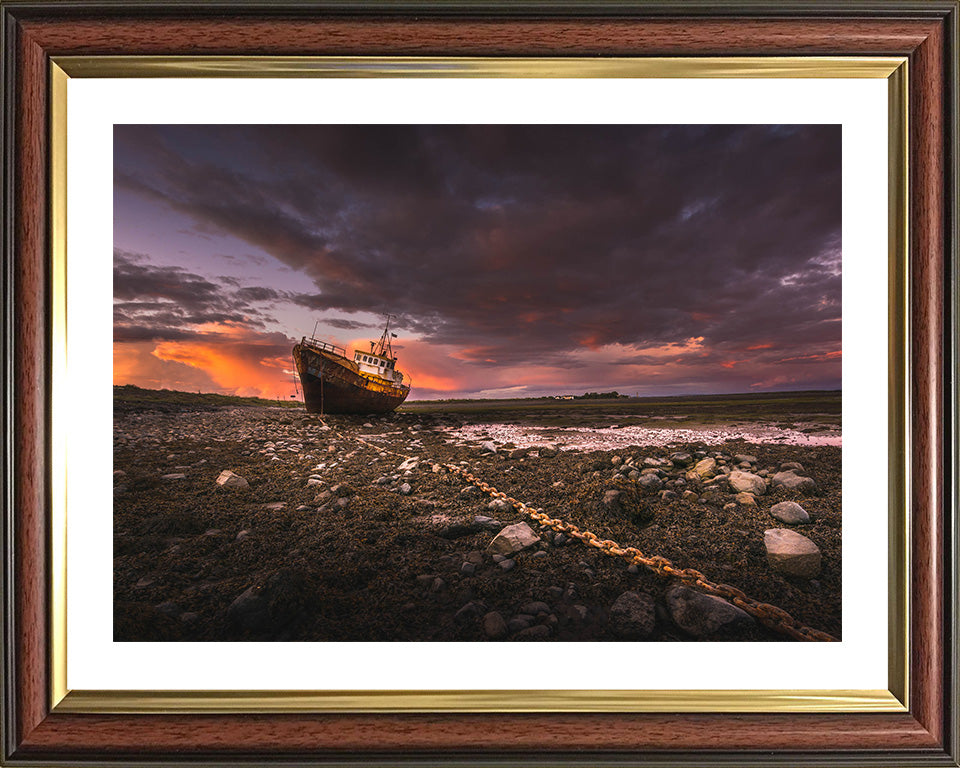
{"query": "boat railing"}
{"type": "Point", "coordinates": [323, 346]}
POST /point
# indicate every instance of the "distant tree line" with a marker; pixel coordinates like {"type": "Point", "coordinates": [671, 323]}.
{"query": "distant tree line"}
{"type": "Point", "coordinates": [600, 396]}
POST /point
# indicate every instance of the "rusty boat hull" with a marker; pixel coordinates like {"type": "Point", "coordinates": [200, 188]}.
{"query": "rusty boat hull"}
{"type": "Point", "coordinates": [333, 384]}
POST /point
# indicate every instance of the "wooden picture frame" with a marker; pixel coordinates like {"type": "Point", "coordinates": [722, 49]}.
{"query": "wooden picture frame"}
{"type": "Point", "coordinates": [36, 33]}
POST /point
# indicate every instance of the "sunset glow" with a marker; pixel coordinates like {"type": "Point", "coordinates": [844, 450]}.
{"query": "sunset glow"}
{"type": "Point", "coordinates": [516, 260]}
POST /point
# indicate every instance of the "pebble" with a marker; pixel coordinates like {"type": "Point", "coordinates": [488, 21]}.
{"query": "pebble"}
{"type": "Point", "coordinates": [174, 476]}
{"type": "Point", "coordinates": [507, 564]}
{"type": "Point", "coordinates": [746, 499]}
{"type": "Point", "coordinates": [405, 489]}
{"type": "Point", "coordinates": [500, 506]}
{"type": "Point", "coordinates": [468, 569]}
{"type": "Point", "coordinates": [274, 506]}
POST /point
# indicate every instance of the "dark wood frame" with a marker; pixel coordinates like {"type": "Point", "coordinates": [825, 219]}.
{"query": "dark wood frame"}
{"type": "Point", "coordinates": [926, 32]}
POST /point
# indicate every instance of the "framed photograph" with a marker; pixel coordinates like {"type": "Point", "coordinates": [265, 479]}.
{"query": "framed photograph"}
{"type": "Point", "coordinates": [346, 343]}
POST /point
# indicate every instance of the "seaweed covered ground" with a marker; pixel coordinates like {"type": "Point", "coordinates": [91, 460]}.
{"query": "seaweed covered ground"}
{"type": "Point", "coordinates": [331, 538]}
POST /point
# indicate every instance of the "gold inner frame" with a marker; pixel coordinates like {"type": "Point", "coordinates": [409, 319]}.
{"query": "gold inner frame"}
{"type": "Point", "coordinates": [895, 699]}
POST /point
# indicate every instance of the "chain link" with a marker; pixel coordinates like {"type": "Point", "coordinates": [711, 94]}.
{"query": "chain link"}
{"type": "Point", "coordinates": [770, 616]}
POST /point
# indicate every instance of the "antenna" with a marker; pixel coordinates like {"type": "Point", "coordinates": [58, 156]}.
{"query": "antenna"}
{"type": "Point", "coordinates": [315, 330]}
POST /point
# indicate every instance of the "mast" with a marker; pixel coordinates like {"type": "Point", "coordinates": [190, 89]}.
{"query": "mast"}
{"type": "Point", "coordinates": [384, 348]}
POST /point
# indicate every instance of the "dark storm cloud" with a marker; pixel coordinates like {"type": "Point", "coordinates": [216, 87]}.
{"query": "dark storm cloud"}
{"type": "Point", "coordinates": [163, 303]}
{"type": "Point", "coordinates": [524, 242]}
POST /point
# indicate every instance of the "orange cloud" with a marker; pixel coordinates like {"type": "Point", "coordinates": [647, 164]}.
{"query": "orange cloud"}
{"type": "Point", "coordinates": [230, 359]}
{"type": "Point", "coordinates": [760, 346]}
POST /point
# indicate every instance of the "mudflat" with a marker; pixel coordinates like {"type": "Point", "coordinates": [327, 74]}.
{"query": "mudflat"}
{"type": "Point", "coordinates": [351, 528]}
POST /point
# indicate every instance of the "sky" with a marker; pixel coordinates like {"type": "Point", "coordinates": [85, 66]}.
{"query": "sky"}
{"type": "Point", "coordinates": [517, 260]}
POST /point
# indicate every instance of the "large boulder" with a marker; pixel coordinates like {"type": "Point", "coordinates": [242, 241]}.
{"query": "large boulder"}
{"type": "Point", "coordinates": [791, 553]}
{"type": "Point", "coordinates": [512, 539]}
{"type": "Point", "coordinates": [747, 482]}
{"type": "Point", "coordinates": [704, 615]}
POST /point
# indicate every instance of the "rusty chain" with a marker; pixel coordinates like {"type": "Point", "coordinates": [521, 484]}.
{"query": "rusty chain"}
{"type": "Point", "coordinates": [770, 616]}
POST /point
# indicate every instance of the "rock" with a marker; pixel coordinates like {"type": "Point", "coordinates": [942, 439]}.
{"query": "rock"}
{"type": "Point", "coordinates": [624, 499]}
{"type": "Point", "coordinates": [746, 499]}
{"type": "Point", "coordinates": [242, 535]}
{"type": "Point", "coordinates": [535, 608]}
{"type": "Point", "coordinates": [705, 467]}
{"type": "Point", "coordinates": [652, 462]}
{"type": "Point", "coordinates": [249, 610]}
{"type": "Point", "coordinates": [469, 611]}
{"type": "Point", "coordinates": [747, 482]}
{"type": "Point", "coordinates": [632, 616]}
{"type": "Point", "coordinates": [649, 483]}
{"type": "Point", "coordinates": [711, 496]}
{"type": "Point", "coordinates": [468, 569]}
{"type": "Point", "coordinates": [174, 476]}
{"type": "Point", "coordinates": [690, 496]}
{"type": "Point", "coordinates": [488, 446]}
{"type": "Point", "coordinates": [793, 482]}
{"type": "Point", "coordinates": [470, 492]}
{"type": "Point", "coordinates": [500, 506]}
{"type": "Point", "coordinates": [507, 564]}
{"type": "Point", "coordinates": [342, 490]}
{"type": "Point", "coordinates": [791, 553]}
{"type": "Point", "coordinates": [790, 512]}
{"type": "Point", "coordinates": [514, 538]}
{"type": "Point", "coordinates": [743, 458]}
{"type": "Point", "coordinates": [611, 500]}
{"type": "Point", "coordinates": [487, 523]}
{"type": "Point", "coordinates": [169, 608]}
{"type": "Point", "coordinates": [681, 459]}
{"type": "Point", "coordinates": [517, 453]}
{"type": "Point", "coordinates": [668, 495]}
{"type": "Point", "coordinates": [275, 506]}
{"type": "Point", "coordinates": [535, 633]}
{"type": "Point", "coordinates": [494, 626]}
{"type": "Point", "coordinates": [313, 481]}
{"type": "Point", "coordinates": [547, 451]}
{"type": "Point", "coordinates": [119, 474]}
{"type": "Point", "coordinates": [411, 463]}
{"type": "Point", "coordinates": [787, 466]}
{"type": "Point", "coordinates": [704, 615]}
{"type": "Point", "coordinates": [405, 489]}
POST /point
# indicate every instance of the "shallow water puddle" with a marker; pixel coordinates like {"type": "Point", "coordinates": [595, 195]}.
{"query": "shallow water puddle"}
{"type": "Point", "coordinates": [609, 438]}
